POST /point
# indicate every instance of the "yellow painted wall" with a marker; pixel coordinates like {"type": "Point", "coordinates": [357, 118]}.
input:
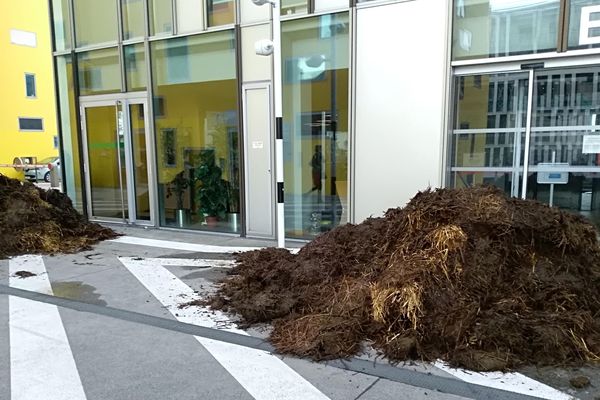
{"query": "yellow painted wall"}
{"type": "Point", "coordinates": [30, 16]}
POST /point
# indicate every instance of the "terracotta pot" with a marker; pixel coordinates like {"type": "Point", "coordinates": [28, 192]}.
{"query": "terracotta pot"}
{"type": "Point", "coordinates": [211, 221]}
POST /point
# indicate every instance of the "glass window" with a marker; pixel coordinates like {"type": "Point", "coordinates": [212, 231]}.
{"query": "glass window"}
{"type": "Point", "coordinates": [220, 12]}
{"type": "Point", "coordinates": [31, 124]}
{"type": "Point", "coordinates": [161, 17]}
{"type": "Point", "coordinates": [99, 71]}
{"type": "Point", "coordinates": [315, 118]}
{"type": "Point", "coordinates": [30, 85]}
{"type": "Point", "coordinates": [196, 125]}
{"type": "Point", "coordinates": [95, 22]}
{"type": "Point", "coordinates": [68, 129]}
{"type": "Point", "coordinates": [133, 18]}
{"type": "Point", "coordinates": [322, 5]}
{"type": "Point", "coordinates": [62, 24]}
{"type": "Point", "coordinates": [189, 16]}
{"type": "Point", "coordinates": [496, 28]}
{"type": "Point", "coordinates": [584, 24]}
{"type": "Point", "coordinates": [293, 7]}
{"type": "Point", "coordinates": [135, 67]}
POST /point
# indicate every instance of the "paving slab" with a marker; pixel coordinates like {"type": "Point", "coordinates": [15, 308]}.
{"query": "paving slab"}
{"type": "Point", "coordinates": [124, 360]}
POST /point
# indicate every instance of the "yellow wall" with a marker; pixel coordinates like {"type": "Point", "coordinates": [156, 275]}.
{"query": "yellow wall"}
{"type": "Point", "coordinates": [30, 16]}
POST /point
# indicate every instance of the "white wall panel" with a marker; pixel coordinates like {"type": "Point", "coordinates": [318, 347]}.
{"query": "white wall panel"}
{"type": "Point", "coordinates": [189, 16]}
{"type": "Point", "coordinates": [401, 81]}
{"type": "Point", "coordinates": [255, 67]}
{"type": "Point", "coordinates": [251, 13]}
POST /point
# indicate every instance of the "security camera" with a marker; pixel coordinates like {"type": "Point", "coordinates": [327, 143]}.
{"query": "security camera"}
{"type": "Point", "coordinates": [261, 2]}
{"type": "Point", "coordinates": [263, 47]}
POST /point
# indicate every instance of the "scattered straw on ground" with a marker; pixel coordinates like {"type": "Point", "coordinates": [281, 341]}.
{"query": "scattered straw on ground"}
{"type": "Point", "coordinates": [469, 276]}
{"type": "Point", "coordinates": [33, 220]}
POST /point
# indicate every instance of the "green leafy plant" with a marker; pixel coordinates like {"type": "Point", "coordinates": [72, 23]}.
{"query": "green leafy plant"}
{"type": "Point", "coordinates": [177, 187]}
{"type": "Point", "coordinates": [212, 192]}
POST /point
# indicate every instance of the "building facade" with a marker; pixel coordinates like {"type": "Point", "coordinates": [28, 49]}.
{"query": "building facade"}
{"type": "Point", "coordinates": [166, 111]}
{"type": "Point", "coordinates": [28, 112]}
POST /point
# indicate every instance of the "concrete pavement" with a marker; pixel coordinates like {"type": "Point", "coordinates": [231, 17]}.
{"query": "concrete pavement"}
{"type": "Point", "coordinates": [127, 339]}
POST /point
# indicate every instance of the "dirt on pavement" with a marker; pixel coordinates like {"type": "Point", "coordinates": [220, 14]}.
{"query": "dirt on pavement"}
{"type": "Point", "coordinates": [470, 276]}
{"type": "Point", "coordinates": [33, 220]}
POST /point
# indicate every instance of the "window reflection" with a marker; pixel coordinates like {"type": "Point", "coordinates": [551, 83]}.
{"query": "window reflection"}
{"type": "Point", "coordinates": [220, 12]}
{"type": "Point", "coordinates": [95, 22]}
{"type": "Point", "coordinates": [496, 28]}
{"type": "Point", "coordinates": [315, 79]}
{"type": "Point", "coordinates": [584, 24]}
{"type": "Point", "coordinates": [195, 110]}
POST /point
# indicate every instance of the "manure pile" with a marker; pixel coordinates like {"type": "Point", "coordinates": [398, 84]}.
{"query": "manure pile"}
{"type": "Point", "coordinates": [469, 276]}
{"type": "Point", "coordinates": [33, 220]}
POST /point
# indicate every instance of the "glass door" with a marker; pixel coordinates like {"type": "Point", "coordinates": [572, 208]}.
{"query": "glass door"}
{"type": "Point", "coordinates": [490, 123]}
{"type": "Point", "coordinates": [116, 161]}
{"type": "Point", "coordinates": [542, 124]}
{"type": "Point", "coordinates": [564, 151]}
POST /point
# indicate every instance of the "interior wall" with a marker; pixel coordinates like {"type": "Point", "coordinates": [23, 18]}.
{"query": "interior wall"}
{"type": "Point", "coordinates": [401, 86]}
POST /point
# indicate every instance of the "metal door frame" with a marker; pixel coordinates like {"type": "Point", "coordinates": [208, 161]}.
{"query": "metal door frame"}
{"type": "Point", "coordinates": [121, 102]}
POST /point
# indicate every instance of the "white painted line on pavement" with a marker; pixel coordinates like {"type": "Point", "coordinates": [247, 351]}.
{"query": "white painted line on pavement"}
{"type": "Point", "coordinates": [262, 374]}
{"type": "Point", "coordinates": [511, 382]}
{"type": "Point", "coordinates": [41, 362]}
{"type": "Point", "coordinates": [190, 262]}
{"type": "Point", "coordinates": [169, 244]}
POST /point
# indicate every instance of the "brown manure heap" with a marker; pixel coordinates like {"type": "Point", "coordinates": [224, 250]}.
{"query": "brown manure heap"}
{"type": "Point", "coordinates": [33, 220]}
{"type": "Point", "coordinates": [469, 276]}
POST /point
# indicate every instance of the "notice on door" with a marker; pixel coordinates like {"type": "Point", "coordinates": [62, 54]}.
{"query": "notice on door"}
{"type": "Point", "coordinates": [257, 145]}
{"type": "Point", "coordinates": [591, 144]}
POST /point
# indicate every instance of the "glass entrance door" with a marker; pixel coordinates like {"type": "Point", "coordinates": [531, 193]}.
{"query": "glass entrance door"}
{"type": "Point", "coordinates": [542, 124]}
{"type": "Point", "coordinates": [490, 124]}
{"type": "Point", "coordinates": [116, 161]}
{"type": "Point", "coordinates": [564, 151]}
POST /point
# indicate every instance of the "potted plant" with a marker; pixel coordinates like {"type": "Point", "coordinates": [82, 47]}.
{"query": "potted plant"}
{"type": "Point", "coordinates": [233, 206]}
{"type": "Point", "coordinates": [177, 187]}
{"type": "Point", "coordinates": [211, 192]}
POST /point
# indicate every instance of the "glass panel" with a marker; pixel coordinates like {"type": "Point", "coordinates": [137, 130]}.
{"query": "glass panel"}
{"type": "Point", "coordinates": [106, 167]}
{"type": "Point", "coordinates": [195, 115]}
{"type": "Point", "coordinates": [464, 179]}
{"type": "Point", "coordinates": [315, 116]}
{"type": "Point", "coordinates": [62, 24]}
{"type": "Point", "coordinates": [140, 165]}
{"type": "Point", "coordinates": [491, 101]}
{"type": "Point", "coordinates": [30, 85]}
{"type": "Point", "coordinates": [294, 7]}
{"type": "Point", "coordinates": [584, 24]}
{"type": "Point", "coordinates": [488, 141]}
{"type": "Point", "coordinates": [220, 12]}
{"type": "Point", "coordinates": [95, 22]}
{"type": "Point", "coordinates": [189, 16]}
{"type": "Point", "coordinates": [68, 129]}
{"type": "Point", "coordinates": [484, 149]}
{"type": "Point", "coordinates": [135, 67]}
{"type": "Point", "coordinates": [564, 140]}
{"type": "Point", "coordinates": [496, 28]}
{"type": "Point", "coordinates": [99, 71]}
{"type": "Point", "coordinates": [161, 17]}
{"type": "Point", "coordinates": [250, 12]}
{"type": "Point", "coordinates": [133, 18]}
{"type": "Point", "coordinates": [322, 5]}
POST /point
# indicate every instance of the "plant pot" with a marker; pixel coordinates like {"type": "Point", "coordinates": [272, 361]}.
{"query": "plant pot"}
{"type": "Point", "coordinates": [182, 217]}
{"type": "Point", "coordinates": [233, 220]}
{"type": "Point", "coordinates": [211, 221]}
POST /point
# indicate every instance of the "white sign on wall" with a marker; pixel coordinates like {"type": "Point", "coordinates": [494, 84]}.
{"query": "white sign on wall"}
{"type": "Point", "coordinates": [591, 144]}
{"type": "Point", "coordinates": [23, 38]}
{"type": "Point", "coordinates": [587, 23]}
